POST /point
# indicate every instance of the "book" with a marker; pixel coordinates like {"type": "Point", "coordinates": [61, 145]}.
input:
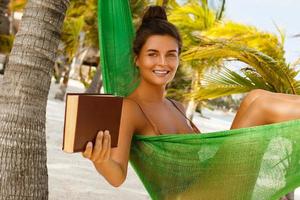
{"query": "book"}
{"type": "Point", "coordinates": [86, 115]}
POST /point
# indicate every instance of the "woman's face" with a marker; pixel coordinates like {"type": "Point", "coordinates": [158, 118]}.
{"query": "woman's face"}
{"type": "Point", "coordinates": [158, 59]}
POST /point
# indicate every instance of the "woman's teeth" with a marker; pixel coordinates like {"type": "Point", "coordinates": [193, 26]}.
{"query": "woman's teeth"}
{"type": "Point", "coordinates": [160, 72]}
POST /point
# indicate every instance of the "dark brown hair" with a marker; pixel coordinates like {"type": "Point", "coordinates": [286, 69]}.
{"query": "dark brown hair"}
{"type": "Point", "coordinates": [154, 22]}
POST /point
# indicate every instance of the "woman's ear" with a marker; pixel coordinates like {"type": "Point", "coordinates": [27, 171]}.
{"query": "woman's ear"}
{"type": "Point", "coordinates": [136, 61]}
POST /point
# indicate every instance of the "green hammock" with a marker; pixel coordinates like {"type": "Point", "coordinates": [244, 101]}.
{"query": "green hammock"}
{"type": "Point", "coordinates": [255, 163]}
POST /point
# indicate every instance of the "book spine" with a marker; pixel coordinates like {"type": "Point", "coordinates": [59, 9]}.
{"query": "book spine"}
{"type": "Point", "coordinates": [63, 145]}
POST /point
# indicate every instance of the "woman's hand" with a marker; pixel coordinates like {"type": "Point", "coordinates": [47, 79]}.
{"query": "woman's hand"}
{"type": "Point", "coordinates": [101, 151]}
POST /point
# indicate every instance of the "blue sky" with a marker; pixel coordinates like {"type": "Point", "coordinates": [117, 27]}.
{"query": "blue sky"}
{"type": "Point", "coordinates": [264, 13]}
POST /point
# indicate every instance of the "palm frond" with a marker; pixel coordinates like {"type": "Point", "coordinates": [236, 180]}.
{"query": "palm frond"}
{"type": "Point", "coordinates": [227, 82]}
{"type": "Point", "coordinates": [265, 42]}
{"type": "Point", "coordinates": [70, 35]}
{"type": "Point", "coordinates": [275, 73]}
{"type": "Point", "coordinates": [221, 10]}
{"type": "Point", "coordinates": [281, 33]}
{"type": "Point", "coordinates": [192, 16]}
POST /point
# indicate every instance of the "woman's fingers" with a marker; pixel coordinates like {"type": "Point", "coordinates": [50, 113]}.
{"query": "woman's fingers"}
{"type": "Point", "coordinates": [105, 144]}
{"type": "Point", "coordinates": [88, 150]}
{"type": "Point", "coordinates": [105, 147]}
{"type": "Point", "coordinates": [98, 146]}
{"type": "Point", "coordinates": [101, 150]}
{"type": "Point", "coordinates": [107, 154]}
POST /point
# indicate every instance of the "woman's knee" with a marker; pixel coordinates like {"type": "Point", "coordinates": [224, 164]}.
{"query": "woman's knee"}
{"type": "Point", "coordinates": [272, 110]}
{"type": "Point", "coordinates": [260, 110]}
{"type": "Point", "coordinates": [253, 95]}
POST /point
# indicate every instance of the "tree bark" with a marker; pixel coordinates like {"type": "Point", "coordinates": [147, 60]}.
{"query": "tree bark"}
{"type": "Point", "coordinates": [23, 100]}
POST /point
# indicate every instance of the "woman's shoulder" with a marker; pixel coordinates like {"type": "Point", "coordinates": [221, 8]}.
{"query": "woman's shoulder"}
{"type": "Point", "coordinates": [178, 104]}
{"type": "Point", "coordinates": [132, 111]}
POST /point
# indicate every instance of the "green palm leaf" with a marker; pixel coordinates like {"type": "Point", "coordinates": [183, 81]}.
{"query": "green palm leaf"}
{"type": "Point", "coordinates": [226, 82]}
{"type": "Point", "coordinates": [265, 42]}
{"type": "Point", "coordinates": [70, 35]}
{"type": "Point", "coordinates": [276, 74]}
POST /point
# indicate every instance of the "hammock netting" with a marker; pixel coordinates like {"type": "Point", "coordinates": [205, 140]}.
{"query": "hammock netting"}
{"type": "Point", "coordinates": [257, 163]}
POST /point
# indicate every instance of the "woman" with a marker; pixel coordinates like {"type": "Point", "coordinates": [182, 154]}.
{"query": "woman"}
{"type": "Point", "coordinates": [146, 111]}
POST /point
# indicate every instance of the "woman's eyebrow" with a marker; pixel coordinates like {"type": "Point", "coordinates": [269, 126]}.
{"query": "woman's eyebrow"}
{"type": "Point", "coordinates": [152, 50]}
{"type": "Point", "coordinates": [170, 51]}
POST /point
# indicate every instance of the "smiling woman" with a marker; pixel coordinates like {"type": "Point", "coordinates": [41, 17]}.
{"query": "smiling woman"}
{"type": "Point", "coordinates": [146, 111]}
{"type": "Point", "coordinates": [158, 60]}
{"type": "Point", "coordinates": [228, 165]}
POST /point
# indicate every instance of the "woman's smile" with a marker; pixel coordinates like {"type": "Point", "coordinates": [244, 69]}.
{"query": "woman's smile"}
{"type": "Point", "coordinates": [160, 73]}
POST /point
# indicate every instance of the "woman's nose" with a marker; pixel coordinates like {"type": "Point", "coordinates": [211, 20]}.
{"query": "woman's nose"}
{"type": "Point", "coordinates": [162, 60]}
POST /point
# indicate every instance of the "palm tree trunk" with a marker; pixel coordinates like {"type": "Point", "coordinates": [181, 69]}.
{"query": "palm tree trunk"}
{"type": "Point", "coordinates": [23, 100]}
{"type": "Point", "coordinates": [96, 84]}
{"type": "Point", "coordinates": [192, 104]}
{"type": "Point", "coordinates": [60, 94]}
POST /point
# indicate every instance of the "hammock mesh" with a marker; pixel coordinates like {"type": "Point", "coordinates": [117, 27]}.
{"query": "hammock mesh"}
{"type": "Point", "coordinates": [258, 163]}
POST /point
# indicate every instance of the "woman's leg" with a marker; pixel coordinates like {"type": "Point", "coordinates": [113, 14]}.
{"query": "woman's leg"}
{"type": "Point", "coordinates": [264, 107]}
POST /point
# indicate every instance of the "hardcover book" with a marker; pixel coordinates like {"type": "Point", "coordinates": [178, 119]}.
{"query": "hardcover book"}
{"type": "Point", "coordinates": [85, 115]}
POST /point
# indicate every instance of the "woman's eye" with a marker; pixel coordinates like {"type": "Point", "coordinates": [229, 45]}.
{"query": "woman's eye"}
{"type": "Point", "coordinates": [172, 55]}
{"type": "Point", "coordinates": [152, 54]}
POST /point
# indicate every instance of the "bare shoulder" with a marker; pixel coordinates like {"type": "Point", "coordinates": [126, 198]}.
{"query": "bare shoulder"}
{"type": "Point", "coordinates": [131, 108]}
{"type": "Point", "coordinates": [179, 105]}
{"type": "Point", "coordinates": [132, 113]}
{"type": "Point", "coordinates": [129, 105]}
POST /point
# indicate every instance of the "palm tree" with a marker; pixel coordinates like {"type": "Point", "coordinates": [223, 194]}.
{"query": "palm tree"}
{"type": "Point", "coordinates": [79, 35]}
{"type": "Point", "coordinates": [23, 100]}
{"type": "Point", "coordinates": [261, 54]}
{"type": "Point", "coordinates": [72, 28]}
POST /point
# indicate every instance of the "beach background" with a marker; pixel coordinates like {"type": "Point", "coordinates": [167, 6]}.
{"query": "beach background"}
{"type": "Point", "coordinates": [71, 177]}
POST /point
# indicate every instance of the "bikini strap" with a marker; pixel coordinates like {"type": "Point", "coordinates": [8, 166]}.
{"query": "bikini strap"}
{"type": "Point", "coordinates": [156, 130]}
{"type": "Point", "coordinates": [191, 123]}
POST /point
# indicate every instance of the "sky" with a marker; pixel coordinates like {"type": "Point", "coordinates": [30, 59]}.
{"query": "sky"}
{"type": "Point", "coordinates": [264, 14]}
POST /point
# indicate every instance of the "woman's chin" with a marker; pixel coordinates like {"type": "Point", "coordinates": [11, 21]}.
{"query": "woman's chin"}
{"type": "Point", "coordinates": [161, 83]}
{"type": "Point", "coordinates": [158, 81]}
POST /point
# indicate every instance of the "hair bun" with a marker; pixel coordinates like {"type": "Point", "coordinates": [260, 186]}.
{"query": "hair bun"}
{"type": "Point", "coordinates": [154, 12]}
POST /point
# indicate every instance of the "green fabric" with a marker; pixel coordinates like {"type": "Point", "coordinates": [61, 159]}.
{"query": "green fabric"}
{"type": "Point", "coordinates": [259, 163]}
{"type": "Point", "coordinates": [115, 36]}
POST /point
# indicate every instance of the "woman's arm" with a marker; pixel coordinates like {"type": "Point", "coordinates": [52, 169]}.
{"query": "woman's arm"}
{"type": "Point", "coordinates": [112, 163]}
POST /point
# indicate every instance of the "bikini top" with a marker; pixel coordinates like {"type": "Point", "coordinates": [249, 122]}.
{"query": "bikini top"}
{"type": "Point", "coordinates": [156, 129]}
